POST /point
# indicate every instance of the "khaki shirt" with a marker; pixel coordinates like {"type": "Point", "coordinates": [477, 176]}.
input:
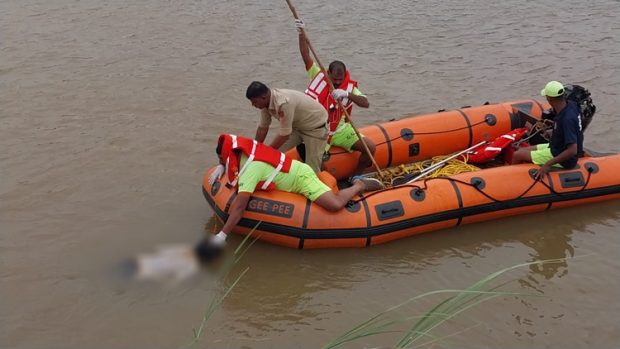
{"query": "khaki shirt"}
{"type": "Point", "coordinates": [294, 110]}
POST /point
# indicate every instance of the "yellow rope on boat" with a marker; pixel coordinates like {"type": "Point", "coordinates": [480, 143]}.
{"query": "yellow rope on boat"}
{"type": "Point", "coordinates": [450, 168]}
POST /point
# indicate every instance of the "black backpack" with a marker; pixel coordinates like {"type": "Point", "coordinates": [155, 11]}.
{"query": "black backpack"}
{"type": "Point", "coordinates": [581, 96]}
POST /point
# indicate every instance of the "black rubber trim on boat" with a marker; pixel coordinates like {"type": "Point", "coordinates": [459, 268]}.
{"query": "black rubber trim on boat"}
{"type": "Point", "coordinates": [301, 244]}
{"type": "Point", "coordinates": [490, 119]}
{"type": "Point", "coordinates": [306, 214]}
{"type": "Point", "coordinates": [515, 120]}
{"type": "Point", "coordinates": [305, 223]}
{"type": "Point", "coordinates": [368, 221]}
{"type": "Point", "coordinates": [215, 188]}
{"type": "Point", "coordinates": [341, 233]}
{"type": "Point", "coordinates": [389, 210]}
{"type": "Point", "coordinates": [406, 134]}
{"type": "Point", "coordinates": [388, 141]}
{"type": "Point", "coordinates": [230, 200]}
{"type": "Point", "coordinates": [572, 180]}
{"type": "Point", "coordinates": [366, 211]}
{"type": "Point", "coordinates": [539, 105]}
{"type": "Point", "coordinates": [471, 131]}
{"type": "Point", "coordinates": [550, 181]}
{"type": "Point", "coordinates": [591, 167]}
{"type": "Point", "coordinates": [459, 198]}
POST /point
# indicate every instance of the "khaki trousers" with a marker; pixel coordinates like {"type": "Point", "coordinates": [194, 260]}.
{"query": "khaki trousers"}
{"type": "Point", "coordinates": [314, 141]}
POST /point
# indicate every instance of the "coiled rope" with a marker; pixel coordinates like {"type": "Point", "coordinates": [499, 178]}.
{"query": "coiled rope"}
{"type": "Point", "coordinates": [393, 175]}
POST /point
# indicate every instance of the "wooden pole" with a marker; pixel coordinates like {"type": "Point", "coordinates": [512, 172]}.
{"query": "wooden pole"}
{"type": "Point", "coordinates": [331, 88]}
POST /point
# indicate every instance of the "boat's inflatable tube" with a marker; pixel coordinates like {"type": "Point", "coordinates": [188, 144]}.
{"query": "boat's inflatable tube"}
{"type": "Point", "coordinates": [292, 220]}
{"type": "Point", "coordinates": [421, 137]}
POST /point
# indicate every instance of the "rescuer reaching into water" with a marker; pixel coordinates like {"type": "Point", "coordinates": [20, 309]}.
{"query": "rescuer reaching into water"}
{"type": "Point", "coordinates": [250, 166]}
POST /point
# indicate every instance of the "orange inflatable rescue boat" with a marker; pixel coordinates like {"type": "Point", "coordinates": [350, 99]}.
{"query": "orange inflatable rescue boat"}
{"type": "Point", "coordinates": [414, 206]}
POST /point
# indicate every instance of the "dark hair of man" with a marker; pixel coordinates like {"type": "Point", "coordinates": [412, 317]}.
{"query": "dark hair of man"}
{"type": "Point", "coordinates": [333, 65]}
{"type": "Point", "coordinates": [206, 252]}
{"type": "Point", "coordinates": [256, 89]}
{"type": "Point", "coordinates": [218, 149]}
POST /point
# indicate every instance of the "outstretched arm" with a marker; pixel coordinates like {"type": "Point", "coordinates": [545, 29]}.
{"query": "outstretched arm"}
{"type": "Point", "coordinates": [304, 49]}
{"type": "Point", "coordinates": [263, 126]}
{"type": "Point", "coordinates": [236, 211]}
{"type": "Point", "coordinates": [212, 247]}
{"type": "Point", "coordinates": [261, 134]}
{"type": "Point", "coordinates": [278, 141]}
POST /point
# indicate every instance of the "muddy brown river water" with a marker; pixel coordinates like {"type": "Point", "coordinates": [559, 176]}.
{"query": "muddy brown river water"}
{"type": "Point", "coordinates": [109, 115]}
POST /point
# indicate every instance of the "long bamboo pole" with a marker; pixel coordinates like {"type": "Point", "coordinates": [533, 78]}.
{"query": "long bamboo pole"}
{"type": "Point", "coordinates": [331, 88]}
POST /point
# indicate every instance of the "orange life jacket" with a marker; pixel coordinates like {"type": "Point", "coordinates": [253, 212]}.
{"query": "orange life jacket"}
{"type": "Point", "coordinates": [319, 90]}
{"type": "Point", "coordinates": [255, 152]}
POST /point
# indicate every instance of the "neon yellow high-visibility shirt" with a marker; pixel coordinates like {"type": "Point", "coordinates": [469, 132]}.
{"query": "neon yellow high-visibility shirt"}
{"type": "Point", "coordinates": [259, 171]}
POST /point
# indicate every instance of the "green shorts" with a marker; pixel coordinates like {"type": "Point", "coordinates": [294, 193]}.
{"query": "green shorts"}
{"type": "Point", "coordinates": [308, 184]}
{"type": "Point", "coordinates": [542, 154]}
{"type": "Point", "coordinates": [344, 138]}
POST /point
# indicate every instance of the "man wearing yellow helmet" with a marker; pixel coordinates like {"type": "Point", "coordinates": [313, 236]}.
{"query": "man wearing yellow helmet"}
{"type": "Point", "coordinates": [566, 138]}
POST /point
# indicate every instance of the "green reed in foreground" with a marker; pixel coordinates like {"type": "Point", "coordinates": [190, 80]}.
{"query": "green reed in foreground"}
{"type": "Point", "coordinates": [222, 292]}
{"type": "Point", "coordinates": [418, 328]}
{"type": "Point", "coordinates": [421, 327]}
